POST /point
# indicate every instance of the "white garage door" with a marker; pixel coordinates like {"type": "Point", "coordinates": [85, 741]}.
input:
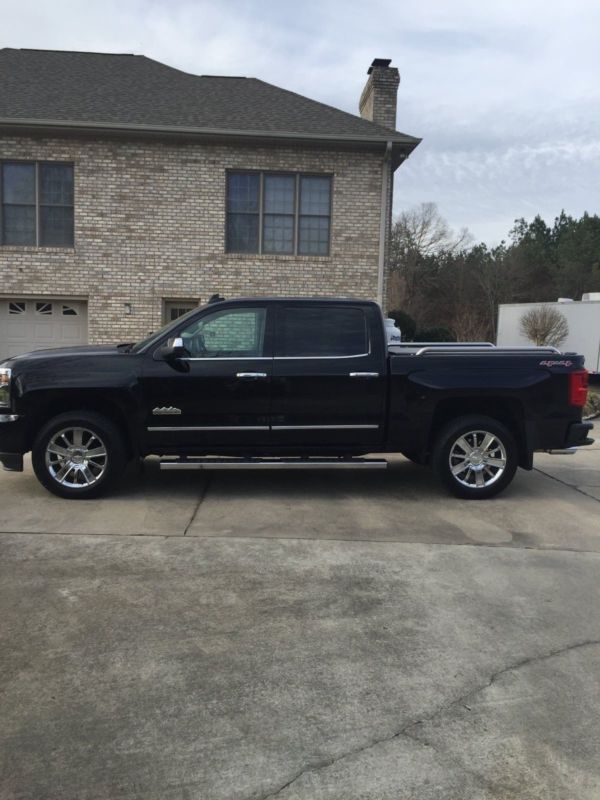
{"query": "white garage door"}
{"type": "Point", "coordinates": [36, 324]}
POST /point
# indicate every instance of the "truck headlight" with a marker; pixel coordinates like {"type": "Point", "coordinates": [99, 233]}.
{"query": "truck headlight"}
{"type": "Point", "coordinates": [4, 387]}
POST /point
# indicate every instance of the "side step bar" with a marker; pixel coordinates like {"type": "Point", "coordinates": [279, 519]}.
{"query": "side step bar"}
{"type": "Point", "coordinates": [274, 463]}
{"type": "Point", "coordinates": [565, 451]}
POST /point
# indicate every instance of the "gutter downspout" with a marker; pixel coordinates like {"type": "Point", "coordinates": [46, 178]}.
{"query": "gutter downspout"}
{"type": "Point", "coordinates": [385, 185]}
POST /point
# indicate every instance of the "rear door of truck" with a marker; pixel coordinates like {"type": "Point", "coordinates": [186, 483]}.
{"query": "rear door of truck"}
{"type": "Point", "coordinates": [329, 375]}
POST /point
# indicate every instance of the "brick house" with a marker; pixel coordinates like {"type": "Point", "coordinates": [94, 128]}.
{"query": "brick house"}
{"type": "Point", "coordinates": [131, 191]}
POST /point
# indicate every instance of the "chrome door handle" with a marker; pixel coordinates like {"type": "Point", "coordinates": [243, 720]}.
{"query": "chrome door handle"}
{"type": "Point", "coordinates": [250, 376]}
{"type": "Point", "coordinates": [364, 374]}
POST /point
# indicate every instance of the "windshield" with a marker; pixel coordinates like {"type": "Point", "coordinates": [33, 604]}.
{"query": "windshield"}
{"type": "Point", "coordinates": [155, 336]}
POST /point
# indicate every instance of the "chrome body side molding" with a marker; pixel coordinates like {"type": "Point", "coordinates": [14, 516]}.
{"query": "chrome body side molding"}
{"type": "Point", "coordinates": [323, 427]}
{"type": "Point", "coordinates": [209, 428]}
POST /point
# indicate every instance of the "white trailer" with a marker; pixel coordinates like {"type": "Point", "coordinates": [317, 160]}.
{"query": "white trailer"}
{"type": "Point", "coordinates": [583, 318]}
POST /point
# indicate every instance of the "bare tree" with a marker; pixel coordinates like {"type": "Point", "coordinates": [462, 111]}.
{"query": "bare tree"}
{"type": "Point", "coordinates": [470, 325]}
{"type": "Point", "coordinates": [424, 230]}
{"type": "Point", "coordinates": [544, 326]}
{"type": "Point", "coordinates": [418, 235]}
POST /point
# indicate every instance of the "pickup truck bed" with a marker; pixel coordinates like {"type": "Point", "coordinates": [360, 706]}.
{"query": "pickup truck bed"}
{"type": "Point", "coordinates": [527, 389]}
{"type": "Point", "coordinates": [287, 382]}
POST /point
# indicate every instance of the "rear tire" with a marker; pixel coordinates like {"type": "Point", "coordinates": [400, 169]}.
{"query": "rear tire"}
{"type": "Point", "coordinates": [475, 457]}
{"type": "Point", "coordinates": [78, 455]}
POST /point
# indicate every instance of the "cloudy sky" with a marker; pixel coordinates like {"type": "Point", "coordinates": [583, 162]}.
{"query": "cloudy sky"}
{"type": "Point", "coordinates": [505, 95]}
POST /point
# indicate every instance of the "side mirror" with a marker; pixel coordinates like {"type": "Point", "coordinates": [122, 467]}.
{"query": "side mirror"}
{"type": "Point", "coordinates": [173, 350]}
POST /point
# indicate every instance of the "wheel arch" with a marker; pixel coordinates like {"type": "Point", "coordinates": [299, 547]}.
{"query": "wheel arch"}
{"type": "Point", "coordinates": [114, 407]}
{"type": "Point", "coordinates": [507, 411]}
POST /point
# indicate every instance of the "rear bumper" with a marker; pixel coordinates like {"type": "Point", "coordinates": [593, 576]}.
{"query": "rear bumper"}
{"type": "Point", "coordinates": [13, 441]}
{"type": "Point", "coordinates": [560, 438]}
{"type": "Point", "coordinates": [577, 434]}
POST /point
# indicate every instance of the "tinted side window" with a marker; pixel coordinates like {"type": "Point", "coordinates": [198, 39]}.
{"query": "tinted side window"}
{"type": "Point", "coordinates": [232, 333]}
{"type": "Point", "coordinates": [322, 331]}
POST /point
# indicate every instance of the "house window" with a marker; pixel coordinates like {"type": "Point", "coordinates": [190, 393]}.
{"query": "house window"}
{"type": "Point", "coordinates": [36, 205]}
{"type": "Point", "coordinates": [173, 309]}
{"type": "Point", "coordinates": [281, 214]}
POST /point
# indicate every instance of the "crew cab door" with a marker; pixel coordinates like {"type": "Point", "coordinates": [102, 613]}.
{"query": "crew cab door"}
{"type": "Point", "coordinates": [329, 375]}
{"type": "Point", "coordinates": [217, 395]}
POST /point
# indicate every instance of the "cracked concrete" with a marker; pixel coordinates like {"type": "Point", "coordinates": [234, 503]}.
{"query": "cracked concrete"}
{"type": "Point", "coordinates": [203, 491]}
{"type": "Point", "coordinates": [580, 471]}
{"type": "Point", "coordinates": [320, 637]}
{"type": "Point", "coordinates": [410, 731]}
{"type": "Point", "coordinates": [538, 738]}
{"type": "Point", "coordinates": [154, 668]}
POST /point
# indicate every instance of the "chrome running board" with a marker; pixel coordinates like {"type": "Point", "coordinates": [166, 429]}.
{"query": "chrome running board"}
{"type": "Point", "coordinates": [274, 463]}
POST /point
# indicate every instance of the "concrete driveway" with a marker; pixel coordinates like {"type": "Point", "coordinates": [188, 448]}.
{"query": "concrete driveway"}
{"type": "Point", "coordinates": [295, 635]}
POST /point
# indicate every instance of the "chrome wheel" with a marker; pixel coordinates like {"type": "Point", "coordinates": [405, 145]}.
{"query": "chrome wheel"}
{"type": "Point", "coordinates": [76, 457]}
{"type": "Point", "coordinates": [477, 459]}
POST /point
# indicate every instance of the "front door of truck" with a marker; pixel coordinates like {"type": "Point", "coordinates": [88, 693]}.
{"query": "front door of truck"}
{"type": "Point", "coordinates": [329, 376]}
{"type": "Point", "coordinates": [219, 393]}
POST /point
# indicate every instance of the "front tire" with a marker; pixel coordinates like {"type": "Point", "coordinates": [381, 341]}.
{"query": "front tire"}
{"type": "Point", "coordinates": [475, 457]}
{"type": "Point", "coordinates": [78, 455]}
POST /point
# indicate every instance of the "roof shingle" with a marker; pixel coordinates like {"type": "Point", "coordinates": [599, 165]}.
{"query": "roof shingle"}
{"type": "Point", "coordinates": [135, 91]}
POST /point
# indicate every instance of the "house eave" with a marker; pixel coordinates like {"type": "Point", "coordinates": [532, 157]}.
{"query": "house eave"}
{"type": "Point", "coordinates": [402, 145]}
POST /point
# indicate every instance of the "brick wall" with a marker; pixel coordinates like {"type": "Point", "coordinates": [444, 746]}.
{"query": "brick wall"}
{"type": "Point", "coordinates": [379, 97]}
{"type": "Point", "coordinates": [150, 225]}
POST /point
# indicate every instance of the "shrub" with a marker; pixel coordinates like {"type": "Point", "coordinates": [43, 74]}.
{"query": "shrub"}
{"type": "Point", "coordinates": [544, 326]}
{"type": "Point", "coordinates": [434, 335]}
{"type": "Point", "coordinates": [405, 322]}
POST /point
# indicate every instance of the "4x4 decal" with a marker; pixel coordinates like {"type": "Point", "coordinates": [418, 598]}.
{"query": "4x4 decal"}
{"type": "Point", "coordinates": [556, 363]}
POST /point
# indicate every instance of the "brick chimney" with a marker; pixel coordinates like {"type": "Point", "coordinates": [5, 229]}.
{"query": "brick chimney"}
{"type": "Point", "coordinates": [378, 99]}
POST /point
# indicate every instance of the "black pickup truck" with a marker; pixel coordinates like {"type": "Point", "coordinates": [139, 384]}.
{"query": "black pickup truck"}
{"type": "Point", "coordinates": [287, 383]}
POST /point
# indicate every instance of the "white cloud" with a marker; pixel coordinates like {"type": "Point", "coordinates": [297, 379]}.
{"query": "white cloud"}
{"type": "Point", "coordinates": [506, 95]}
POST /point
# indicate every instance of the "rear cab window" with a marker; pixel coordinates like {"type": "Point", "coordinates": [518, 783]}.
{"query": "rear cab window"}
{"type": "Point", "coordinates": [322, 332]}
